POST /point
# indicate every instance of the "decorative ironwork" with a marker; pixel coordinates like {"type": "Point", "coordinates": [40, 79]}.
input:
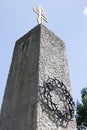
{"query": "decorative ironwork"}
{"type": "Point", "coordinates": [54, 85]}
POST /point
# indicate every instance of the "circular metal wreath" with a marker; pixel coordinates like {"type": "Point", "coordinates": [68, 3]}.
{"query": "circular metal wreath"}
{"type": "Point", "coordinates": [51, 85]}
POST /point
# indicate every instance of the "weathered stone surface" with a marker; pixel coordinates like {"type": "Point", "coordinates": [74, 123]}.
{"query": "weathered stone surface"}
{"type": "Point", "coordinates": [37, 55]}
{"type": "Point", "coordinates": [52, 63]}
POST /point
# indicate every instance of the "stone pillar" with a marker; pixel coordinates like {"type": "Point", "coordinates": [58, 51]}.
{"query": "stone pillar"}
{"type": "Point", "coordinates": [37, 55]}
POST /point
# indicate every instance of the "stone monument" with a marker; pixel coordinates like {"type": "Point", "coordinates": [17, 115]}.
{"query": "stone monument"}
{"type": "Point", "coordinates": [38, 92]}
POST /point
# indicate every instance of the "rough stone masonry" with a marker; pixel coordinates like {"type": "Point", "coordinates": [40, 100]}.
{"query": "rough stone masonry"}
{"type": "Point", "coordinates": [39, 54]}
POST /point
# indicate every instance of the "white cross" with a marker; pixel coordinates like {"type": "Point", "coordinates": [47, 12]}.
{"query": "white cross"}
{"type": "Point", "coordinates": [41, 14]}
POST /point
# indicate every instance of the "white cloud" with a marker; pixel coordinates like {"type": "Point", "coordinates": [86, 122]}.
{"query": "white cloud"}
{"type": "Point", "coordinates": [85, 11]}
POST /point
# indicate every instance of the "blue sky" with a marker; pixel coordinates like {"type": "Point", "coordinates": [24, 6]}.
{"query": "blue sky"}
{"type": "Point", "coordinates": [67, 19]}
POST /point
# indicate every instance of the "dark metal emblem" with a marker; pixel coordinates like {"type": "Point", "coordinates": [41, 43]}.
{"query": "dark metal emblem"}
{"type": "Point", "coordinates": [63, 105]}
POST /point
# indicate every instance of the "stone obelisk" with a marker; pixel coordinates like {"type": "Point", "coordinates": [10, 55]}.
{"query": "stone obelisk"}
{"type": "Point", "coordinates": [38, 55]}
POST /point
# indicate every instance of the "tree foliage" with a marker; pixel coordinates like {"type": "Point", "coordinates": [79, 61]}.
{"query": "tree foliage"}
{"type": "Point", "coordinates": [81, 108]}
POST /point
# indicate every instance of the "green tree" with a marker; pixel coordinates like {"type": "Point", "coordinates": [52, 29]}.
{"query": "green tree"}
{"type": "Point", "coordinates": [81, 108]}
